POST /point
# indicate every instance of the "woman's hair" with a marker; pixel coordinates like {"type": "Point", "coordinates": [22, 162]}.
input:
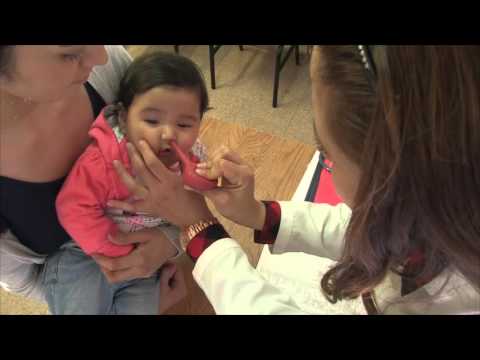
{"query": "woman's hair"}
{"type": "Point", "coordinates": [157, 68]}
{"type": "Point", "coordinates": [5, 59]}
{"type": "Point", "coordinates": [415, 134]}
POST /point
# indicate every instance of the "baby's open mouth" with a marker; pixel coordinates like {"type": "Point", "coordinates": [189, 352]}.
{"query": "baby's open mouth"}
{"type": "Point", "coordinates": [167, 156]}
{"type": "Point", "coordinates": [165, 151]}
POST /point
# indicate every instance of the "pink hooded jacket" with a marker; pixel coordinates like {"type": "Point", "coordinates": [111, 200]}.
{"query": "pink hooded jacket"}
{"type": "Point", "coordinates": [82, 201]}
{"type": "Point", "coordinates": [91, 183]}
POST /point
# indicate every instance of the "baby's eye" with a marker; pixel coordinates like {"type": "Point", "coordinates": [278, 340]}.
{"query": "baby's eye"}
{"type": "Point", "coordinates": [71, 57]}
{"type": "Point", "coordinates": [184, 125]}
{"type": "Point", "coordinates": [151, 121]}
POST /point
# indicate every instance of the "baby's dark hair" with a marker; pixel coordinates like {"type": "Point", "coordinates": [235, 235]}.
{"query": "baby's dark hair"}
{"type": "Point", "coordinates": [159, 68]}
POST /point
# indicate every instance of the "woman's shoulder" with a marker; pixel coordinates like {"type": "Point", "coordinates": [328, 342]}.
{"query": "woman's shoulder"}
{"type": "Point", "coordinates": [448, 293]}
{"type": "Point", "coordinates": [118, 59]}
{"type": "Point", "coordinates": [105, 79]}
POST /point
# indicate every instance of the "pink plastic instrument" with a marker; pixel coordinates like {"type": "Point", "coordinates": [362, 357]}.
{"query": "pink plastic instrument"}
{"type": "Point", "coordinates": [190, 177]}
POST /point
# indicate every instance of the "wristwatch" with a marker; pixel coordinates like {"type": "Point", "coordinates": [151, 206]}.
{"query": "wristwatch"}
{"type": "Point", "coordinates": [193, 230]}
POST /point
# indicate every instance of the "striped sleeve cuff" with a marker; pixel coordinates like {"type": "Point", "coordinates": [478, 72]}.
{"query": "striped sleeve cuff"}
{"type": "Point", "coordinates": [204, 239]}
{"type": "Point", "coordinates": [270, 229]}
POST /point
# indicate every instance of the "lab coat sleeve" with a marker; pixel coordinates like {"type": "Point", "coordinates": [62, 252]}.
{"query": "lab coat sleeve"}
{"type": "Point", "coordinates": [315, 229]}
{"type": "Point", "coordinates": [233, 286]}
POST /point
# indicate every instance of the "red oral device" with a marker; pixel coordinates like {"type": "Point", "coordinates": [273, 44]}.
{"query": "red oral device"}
{"type": "Point", "coordinates": [190, 177]}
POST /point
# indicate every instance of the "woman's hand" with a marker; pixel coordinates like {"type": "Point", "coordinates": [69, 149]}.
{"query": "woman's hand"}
{"type": "Point", "coordinates": [172, 286]}
{"type": "Point", "coordinates": [152, 251]}
{"type": "Point", "coordinates": [160, 191]}
{"type": "Point", "coordinates": [235, 198]}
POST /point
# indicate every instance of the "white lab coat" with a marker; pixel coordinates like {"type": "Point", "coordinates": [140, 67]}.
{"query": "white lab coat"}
{"type": "Point", "coordinates": [233, 286]}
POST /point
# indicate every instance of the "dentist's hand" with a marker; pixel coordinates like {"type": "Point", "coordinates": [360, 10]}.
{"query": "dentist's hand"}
{"type": "Point", "coordinates": [235, 198]}
{"type": "Point", "coordinates": [161, 191]}
{"type": "Point", "coordinates": [152, 251]}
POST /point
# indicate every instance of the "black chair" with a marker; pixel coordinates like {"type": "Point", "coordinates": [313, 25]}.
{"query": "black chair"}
{"type": "Point", "coordinates": [212, 50]}
{"type": "Point", "coordinates": [279, 63]}
{"type": "Point", "coordinates": [280, 60]}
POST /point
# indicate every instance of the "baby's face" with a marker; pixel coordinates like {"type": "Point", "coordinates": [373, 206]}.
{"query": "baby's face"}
{"type": "Point", "coordinates": [163, 114]}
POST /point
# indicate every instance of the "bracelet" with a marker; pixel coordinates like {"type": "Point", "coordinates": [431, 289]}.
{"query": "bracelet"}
{"type": "Point", "coordinates": [193, 230]}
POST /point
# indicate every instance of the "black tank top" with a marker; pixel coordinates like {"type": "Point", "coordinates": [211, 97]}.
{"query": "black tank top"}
{"type": "Point", "coordinates": [28, 209]}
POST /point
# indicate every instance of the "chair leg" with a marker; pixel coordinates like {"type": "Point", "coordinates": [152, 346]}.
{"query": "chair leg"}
{"type": "Point", "coordinates": [297, 54]}
{"type": "Point", "coordinates": [177, 48]}
{"type": "Point", "coordinates": [277, 74]}
{"type": "Point", "coordinates": [211, 52]}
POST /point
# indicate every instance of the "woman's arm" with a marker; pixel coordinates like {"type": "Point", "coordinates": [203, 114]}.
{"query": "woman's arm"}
{"type": "Point", "coordinates": [315, 229]}
{"type": "Point", "coordinates": [233, 286]}
{"type": "Point", "coordinates": [20, 268]}
{"type": "Point", "coordinates": [106, 78]}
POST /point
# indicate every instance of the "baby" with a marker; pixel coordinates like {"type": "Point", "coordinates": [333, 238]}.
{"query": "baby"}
{"type": "Point", "coordinates": [162, 97]}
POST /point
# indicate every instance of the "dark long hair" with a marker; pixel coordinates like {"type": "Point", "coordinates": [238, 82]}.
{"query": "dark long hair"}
{"type": "Point", "coordinates": [415, 135]}
{"type": "Point", "coordinates": [5, 59]}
